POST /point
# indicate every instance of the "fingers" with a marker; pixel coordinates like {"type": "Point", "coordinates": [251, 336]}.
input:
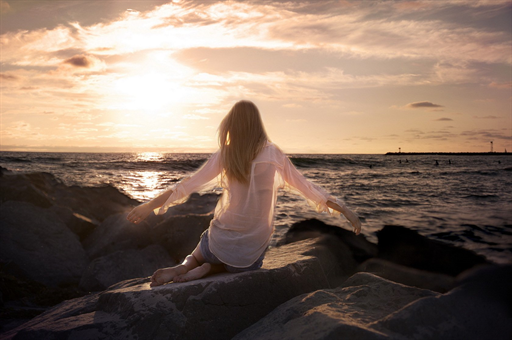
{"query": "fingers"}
{"type": "Point", "coordinates": [133, 217]}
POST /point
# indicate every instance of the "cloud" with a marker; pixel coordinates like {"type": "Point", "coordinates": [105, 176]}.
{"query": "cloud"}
{"type": "Point", "coordinates": [486, 117]}
{"type": "Point", "coordinates": [194, 117]}
{"type": "Point", "coordinates": [419, 105]}
{"type": "Point", "coordinates": [486, 135]}
{"type": "Point", "coordinates": [5, 76]}
{"type": "Point", "coordinates": [79, 61]}
{"type": "Point", "coordinates": [4, 7]}
{"type": "Point", "coordinates": [292, 106]}
{"type": "Point", "coordinates": [507, 85]}
{"type": "Point", "coordinates": [443, 120]}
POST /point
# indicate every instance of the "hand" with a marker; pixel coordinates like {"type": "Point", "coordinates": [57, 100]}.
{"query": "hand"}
{"type": "Point", "coordinates": [353, 219]}
{"type": "Point", "coordinates": [139, 213]}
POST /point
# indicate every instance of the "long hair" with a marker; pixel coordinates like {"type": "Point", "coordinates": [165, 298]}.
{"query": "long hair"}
{"type": "Point", "coordinates": [241, 137]}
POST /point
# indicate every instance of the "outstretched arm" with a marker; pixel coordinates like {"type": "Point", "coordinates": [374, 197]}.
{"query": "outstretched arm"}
{"type": "Point", "coordinates": [349, 214]}
{"type": "Point", "coordinates": [179, 192]}
{"type": "Point", "coordinates": [139, 213]}
{"type": "Point", "coordinates": [316, 194]}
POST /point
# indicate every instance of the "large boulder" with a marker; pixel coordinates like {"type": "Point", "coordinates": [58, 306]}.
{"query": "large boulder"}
{"type": "Point", "coordinates": [36, 244]}
{"type": "Point", "coordinates": [360, 248]}
{"type": "Point", "coordinates": [123, 265]}
{"type": "Point", "coordinates": [215, 307]}
{"type": "Point", "coordinates": [346, 312]}
{"type": "Point", "coordinates": [44, 190]}
{"type": "Point", "coordinates": [80, 225]}
{"type": "Point", "coordinates": [15, 187]}
{"type": "Point", "coordinates": [407, 247]}
{"type": "Point", "coordinates": [409, 276]}
{"type": "Point", "coordinates": [117, 233]}
{"type": "Point", "coordinates": [370, 307]}
{"type": "Point", "coordinates": [179, 235]}
{"type": "Point", "coordinates": [195, 204]}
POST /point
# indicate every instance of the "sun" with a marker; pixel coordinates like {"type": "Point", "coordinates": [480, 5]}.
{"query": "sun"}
{"type": "Point", "coordinates": [151, 91]}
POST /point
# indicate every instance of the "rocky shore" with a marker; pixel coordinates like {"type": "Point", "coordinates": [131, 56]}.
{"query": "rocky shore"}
{"type": "Point", "coordinates": [72, 267]}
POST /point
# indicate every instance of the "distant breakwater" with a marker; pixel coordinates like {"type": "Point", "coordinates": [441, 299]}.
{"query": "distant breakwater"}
{"type": "Point", "coordinates": [449, 153]}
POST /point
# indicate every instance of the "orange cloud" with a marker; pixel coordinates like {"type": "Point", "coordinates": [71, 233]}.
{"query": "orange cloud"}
{"type": "Point", "coordinates": [501, 85]}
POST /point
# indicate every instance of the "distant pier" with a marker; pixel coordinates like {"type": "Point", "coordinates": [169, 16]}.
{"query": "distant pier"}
{"type": "Point", "coordinates": [449, 153]}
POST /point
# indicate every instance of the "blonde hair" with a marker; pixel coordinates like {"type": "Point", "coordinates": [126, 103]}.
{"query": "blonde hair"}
{"type": "Point", "coordinates": [241, 137]}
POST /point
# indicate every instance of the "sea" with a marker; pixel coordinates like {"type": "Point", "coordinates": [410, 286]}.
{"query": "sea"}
{"type": "Point", "coordinates": [459, 199]}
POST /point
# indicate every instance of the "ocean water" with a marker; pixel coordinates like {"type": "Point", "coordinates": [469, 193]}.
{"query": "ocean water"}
{"type": "Point", "coordinates": [465, 200]}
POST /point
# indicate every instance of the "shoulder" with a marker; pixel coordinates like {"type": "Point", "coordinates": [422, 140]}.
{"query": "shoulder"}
{"type": "Point", "coordinates": [271, 153]}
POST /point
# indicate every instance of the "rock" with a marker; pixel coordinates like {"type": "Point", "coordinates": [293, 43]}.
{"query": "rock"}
{"type": "Point", "coordinates": [474, 310]}
{"type": "Point", "coordinates": [80, 225]}
{"type": "Point", "coordinates": [215, 307]}
{"type": "Point", "coordinates": [346, 312]}
{"type": "Point", "coordinates": [407, 247]}
{"type": "Point", "coordinates": [44, 190]}
{"type": "Point", "coordinates": [370, 307]}
{"type": "Point", "coordinates": [95, 203]}
{"type": "Point", "coordinates": [179, 235]}
{"type": "Point", "coordinates": [196, 204]}
{"type": "Point", "coordinates": [491, 281]}
{"type": "Point", "coordinates": [361, 248]}
{"type": "Point", "coordinates": [17, 188]}
{"type": "Point", "coordinates": [117, 233]}
{"type": "Point", "coordinates": [36, 244]}
{"type": "Point", "coordinates": [409, 276]}
{"type": "Point", "coordinates": [122, 265]}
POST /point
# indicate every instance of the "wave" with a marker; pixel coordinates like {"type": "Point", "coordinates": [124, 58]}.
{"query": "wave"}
{"type": "Point", "coordinates": [306, 162]}
{"type": "Point", "coordinates": [10, 159]}
{"type": "Point", "coordinates": [481, 196]}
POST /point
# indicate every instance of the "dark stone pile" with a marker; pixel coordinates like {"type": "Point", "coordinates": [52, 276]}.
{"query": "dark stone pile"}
{"type": "Point", "coordinates": [321, 282]}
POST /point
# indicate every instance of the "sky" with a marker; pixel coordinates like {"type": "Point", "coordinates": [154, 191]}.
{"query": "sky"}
{"type": "Point", "coordinates": [345, 77]}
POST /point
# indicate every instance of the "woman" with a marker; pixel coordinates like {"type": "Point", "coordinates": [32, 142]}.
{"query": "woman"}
{"type": "Point", "coordinates": [250, 169]}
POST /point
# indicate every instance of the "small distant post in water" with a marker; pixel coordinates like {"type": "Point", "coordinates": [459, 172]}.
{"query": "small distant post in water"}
{"type": "Point", "coordinates": [399, 150]}
{"type": "Point", "coordinates": [491, 147]}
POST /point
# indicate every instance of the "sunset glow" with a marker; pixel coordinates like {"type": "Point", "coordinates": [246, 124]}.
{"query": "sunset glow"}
{"type": "Point", "coordinates": [328, 76]}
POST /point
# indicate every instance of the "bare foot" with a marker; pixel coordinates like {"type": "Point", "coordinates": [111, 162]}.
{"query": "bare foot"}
{"type": "Point", "coordinates": [194, 274]}
{"type": "Point", "coordinates": [165, 275]}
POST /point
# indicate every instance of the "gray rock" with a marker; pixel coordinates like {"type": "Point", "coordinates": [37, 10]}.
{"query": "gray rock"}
{"type": "Point", "coordinates": [122, 265]}
{"type": "Point", "coordinates": [196, 204]}
{"type": "Point", "coordinates": [215, 307]}
{"type": "Point", "coordinates": [477, 309]}
{"type": "Point", "coordinates": [15, 187]}
{"type": "Point", "coordinates": [179, 235]}
{"type": "Point", "coordinates": [407, 247]}
{"type": "Point", "coordinates": [36, 244]}
{"type": "Point", "coordinates": [346, 312]}
{"type": "Point", "coordinates": [369, 307]}
{"type": "Point", "coordinates": [409, 276]}
{"type": "Point", "coordinates": [360, 248]}
{"type": "Point", "coordinates": [80, 225]}
{"type": "Point", "coordinates": [117, 233]}
{"type": "Point", "coordinates": [44, 190]}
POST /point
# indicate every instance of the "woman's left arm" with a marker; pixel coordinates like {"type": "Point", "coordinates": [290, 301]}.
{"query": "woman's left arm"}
{"type": "Point", "coordinates": [140, 212]}
{"type": "Point", "coordinates": [349, 214]}
{"type": "Point", "coordinates": [179, 192]}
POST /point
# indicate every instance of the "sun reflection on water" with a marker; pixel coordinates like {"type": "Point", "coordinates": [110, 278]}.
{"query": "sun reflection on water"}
{"type": "Point", "coordinates": [149, 157]}
{"type": "Point", "coordinates": [144, 185]}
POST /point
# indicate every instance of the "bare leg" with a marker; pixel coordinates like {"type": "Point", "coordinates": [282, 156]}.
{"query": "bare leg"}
{"type": "Point", "coordinates": [165, 275]}
{"type": "Point", "coordinates": [199, 272]}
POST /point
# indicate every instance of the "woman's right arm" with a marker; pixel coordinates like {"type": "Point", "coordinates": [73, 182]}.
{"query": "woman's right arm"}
{"type": "Point", "coordinates": [317, 195]}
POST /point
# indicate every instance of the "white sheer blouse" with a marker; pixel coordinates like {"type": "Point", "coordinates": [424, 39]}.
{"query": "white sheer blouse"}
{"type": "Point", "coordinates": [243, 221]}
